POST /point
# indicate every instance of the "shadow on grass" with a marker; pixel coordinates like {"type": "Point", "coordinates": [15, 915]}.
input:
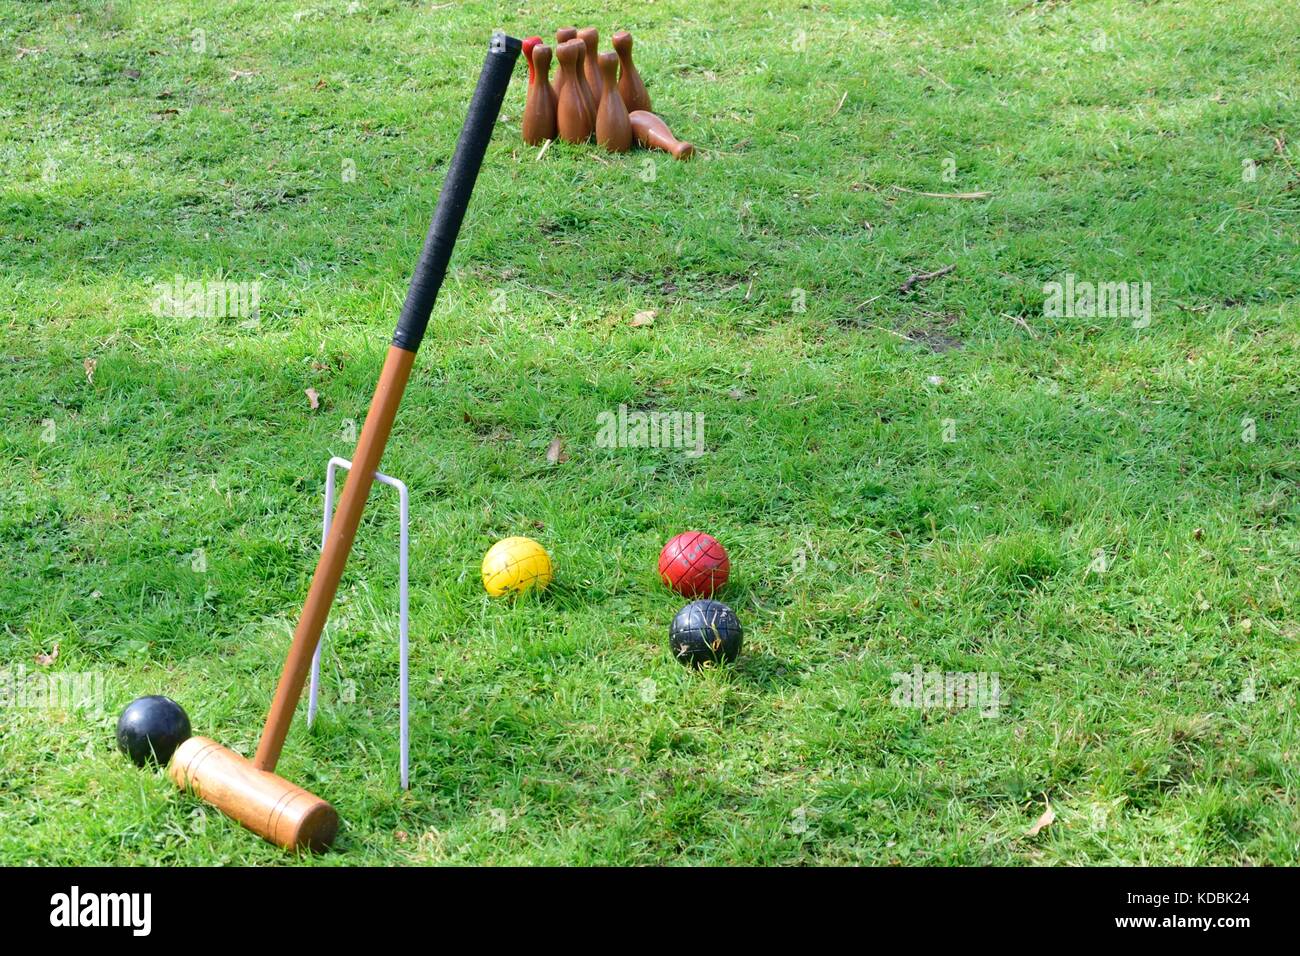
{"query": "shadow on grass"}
{"type": "Point", "coordinates": [765, 671]}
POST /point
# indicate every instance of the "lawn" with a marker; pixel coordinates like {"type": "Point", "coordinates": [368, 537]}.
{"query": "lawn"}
{"type": "Point", "coordinates": [1098, 512]}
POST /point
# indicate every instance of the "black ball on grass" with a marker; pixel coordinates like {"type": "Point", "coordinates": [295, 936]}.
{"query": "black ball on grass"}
{"type": "Point", "coordinates": [151, 728]}
{"type": "Point", "coordinates": [705, 632]}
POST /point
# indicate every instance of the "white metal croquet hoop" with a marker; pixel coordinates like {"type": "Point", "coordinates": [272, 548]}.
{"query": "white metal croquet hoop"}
{"type": "Point", "coordinates": [404, 503]}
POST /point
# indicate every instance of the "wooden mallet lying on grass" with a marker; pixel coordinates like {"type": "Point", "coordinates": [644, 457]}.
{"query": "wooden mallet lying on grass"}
{"type": "Point", "coordinates": [248, 791]}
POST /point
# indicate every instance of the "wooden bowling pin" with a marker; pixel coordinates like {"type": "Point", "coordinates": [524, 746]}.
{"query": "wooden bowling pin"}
{"type": "Point", "coordinates": [540, 122]}
{"type": "Point", "coordinates": [629, 83]}
{"type": "Point", "coordinates": [528, 46]}
{"type": "Point", "coordinates": [562, 35]}
{"type": "Point", "coordinates": [581, 75]}
{"type": "Point", "coordinates": [574, 119]}
{"type": "Point", "coordinates": [653, 133]}
{"type": "Point", "coordinates": [613, 128]}
{"type": "Point", "coordinates": [591, 62]}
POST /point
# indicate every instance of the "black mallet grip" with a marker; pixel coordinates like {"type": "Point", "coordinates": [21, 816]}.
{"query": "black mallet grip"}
{"type": "Point", "coordinates": [456, 189]}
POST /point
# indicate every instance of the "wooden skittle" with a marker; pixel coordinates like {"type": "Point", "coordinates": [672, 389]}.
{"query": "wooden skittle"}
{"type": "Point", "coordinates": [629, 82]}
{"type": "Point", "coordinates": [562, 36]}
{"type": "Point", "coordinates": [653, 133]}
{"type": "Point", "coordinates": [591, 63]}
{"type": "Point", "coordinates": [580, 74]}
{"type": "Point", "coordinates": [574, 120]}
{"type": "Point", "coordinates": [529, 45]}
{"type": "Point", "coordinates": [540, 123]}
{"type": "Point", "coordinates": [613, 128]}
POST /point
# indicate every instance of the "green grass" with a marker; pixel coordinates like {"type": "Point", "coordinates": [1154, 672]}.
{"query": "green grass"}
{"type": "Point", "coordinates": [1099, 532]}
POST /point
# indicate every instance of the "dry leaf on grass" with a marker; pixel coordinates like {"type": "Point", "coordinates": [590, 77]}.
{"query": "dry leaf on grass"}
{"type": "Point", "coordinates": [89, 365]}
{"type": "Point", "coordinates": [917, 192]}
{"type": "Point", "coordinates": [918, 277]}
{"type": "Point", "coordinates": [1046, 820]}
{"type": "Point", "coordinates": [314, 397]}
{"type": "Point", "coordinates": [45, 660]}
{"type": "Point", "coordinates": [646, 317]}
{"type": "Point", "coordinates": [555, 452]}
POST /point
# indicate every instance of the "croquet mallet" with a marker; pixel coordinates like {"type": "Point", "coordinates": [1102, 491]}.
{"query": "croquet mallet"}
{"type": "Point", "coordinates": [249, 791]}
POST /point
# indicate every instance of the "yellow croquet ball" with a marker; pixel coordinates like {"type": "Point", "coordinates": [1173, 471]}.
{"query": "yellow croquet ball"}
{"type": "Point", "coordinates": [516, 564]}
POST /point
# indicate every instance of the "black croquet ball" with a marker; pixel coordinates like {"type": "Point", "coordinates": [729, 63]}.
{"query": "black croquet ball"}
{"type": "Point", "coordinates": [705, 632]}
{"type": "Point", "coordinates": [151, 728]}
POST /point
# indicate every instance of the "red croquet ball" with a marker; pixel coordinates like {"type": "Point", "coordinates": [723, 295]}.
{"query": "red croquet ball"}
{"type": "Point", "coordinates": [694, 564]}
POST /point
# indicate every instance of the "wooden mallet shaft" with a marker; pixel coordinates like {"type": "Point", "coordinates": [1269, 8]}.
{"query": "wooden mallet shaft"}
{"type": "Point", "coordinates": [329, 569]}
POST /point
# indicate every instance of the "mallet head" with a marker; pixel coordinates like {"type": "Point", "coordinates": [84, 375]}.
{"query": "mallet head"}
{"type": "Point", "coordinates": [270, 806]}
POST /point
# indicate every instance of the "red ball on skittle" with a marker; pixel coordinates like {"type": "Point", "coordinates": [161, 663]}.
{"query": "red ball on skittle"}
{"type": "Point", "coordinates": [694, 564]}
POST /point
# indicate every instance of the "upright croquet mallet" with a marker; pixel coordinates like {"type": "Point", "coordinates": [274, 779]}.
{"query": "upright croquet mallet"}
{"type": "Point", "coordinates": [249, 791]}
